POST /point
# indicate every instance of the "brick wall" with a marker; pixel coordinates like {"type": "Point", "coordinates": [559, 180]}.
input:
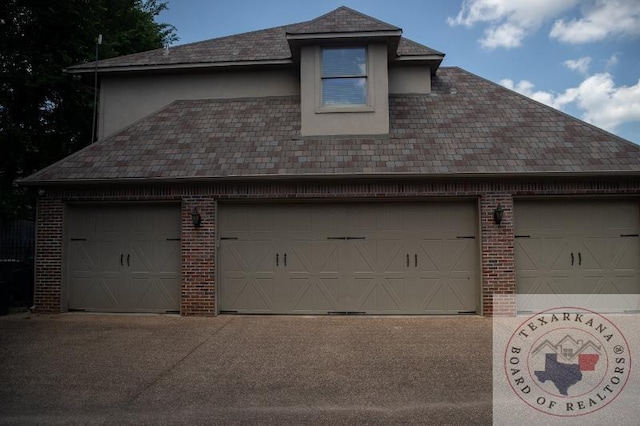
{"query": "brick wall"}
{"type": "Point", "coordinates": [48, 255]}
{"type": "Point", "coordinates": [198, 244]}
{"type": "Point", "coordinates": [498, 256]}
{"type": "Point", "coordinates": [198, 257]}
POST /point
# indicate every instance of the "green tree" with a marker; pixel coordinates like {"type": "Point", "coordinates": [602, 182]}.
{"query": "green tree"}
{"type": "Point", "coordinates": [46, 114]}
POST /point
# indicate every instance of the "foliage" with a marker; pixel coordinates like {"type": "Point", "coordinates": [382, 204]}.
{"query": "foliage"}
{"type": "Point", "coordinates": [46, 114]}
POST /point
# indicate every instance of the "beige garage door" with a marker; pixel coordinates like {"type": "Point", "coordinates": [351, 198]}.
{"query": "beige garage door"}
{"type": "Point", "coordinates": [123, 258]}
{"type": "Point", "coordinates": [567, 248]}
{"type": "Point", "coordinates": [373, 258]}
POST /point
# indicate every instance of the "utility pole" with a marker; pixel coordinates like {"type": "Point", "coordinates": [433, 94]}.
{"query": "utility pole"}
{"type": "Point", "coordinates": [95, 91]}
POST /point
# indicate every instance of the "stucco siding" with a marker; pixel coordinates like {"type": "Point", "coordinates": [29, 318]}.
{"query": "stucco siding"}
{"type": "Point", "coordinates": [407, 80]}
{"type": "Point", "coordinates": [126, 99]}
{"type": "Point", "coordinates": [372, 118]}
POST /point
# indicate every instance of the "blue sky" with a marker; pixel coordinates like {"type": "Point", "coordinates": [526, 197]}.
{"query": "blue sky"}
{"type": "Point", "coordinates": [580, 56]}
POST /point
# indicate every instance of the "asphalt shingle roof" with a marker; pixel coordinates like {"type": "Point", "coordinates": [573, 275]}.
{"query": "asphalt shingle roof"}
{"type": "Point", "coordinates": [467, 125]}
{"type": "Point", "coordinates": [264, 45]}
{"type": "Point", "coordinates": [341, 20]}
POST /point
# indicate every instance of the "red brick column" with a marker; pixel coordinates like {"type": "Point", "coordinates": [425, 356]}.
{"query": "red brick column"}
{"type": "Point", "coordinates": [198, 257]}
{"type": "Point", "coordinates": [498, 258]}
{"type": "Point", "coordinates": [48, 256]}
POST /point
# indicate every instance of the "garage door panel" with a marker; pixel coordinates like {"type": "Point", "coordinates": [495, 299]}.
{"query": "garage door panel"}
{"type": "Point", "coordinates": [312, 257]}
{"type": "Point", "coordinates": [596, 253]}
{"type": "Point", "coordinates": [543, 283]}
{"type": "Point", "coordinates": [148, 293]}
{"type": "Point", "coordinates": [96, 257]}
{"type": "Point", "coordinates": [543, 254]}
{"type": "Point", "coordinates": [463, 300]}
{"type": "Point", "coordinates": [441, 298]}
{"type": "Point", "coordinates": [96, 292]}
{"type": "Point", "coordinates": [166, 258]}
{"type": "Point", "coordinates": [247, 256]}
{"type": "Point", "coordinates": [132, 254]}
{"type": "Point", "coordinates": [610, 253]}
{"type": "Point", "coordinates": [445, 255]}
{"type": "Point", "coordinates": [163, 256]}
{"type": "Point", "coordinates": [352, 297]}
{"type": "Point", "coordinates": [415, 293]}
{"type": "Point", "coordinates": [353, 257]}
{"type": "Point", "coordinates": [94, 270]}
{"type": "Point", "coordinates": [250, 295]}
{"type": "Point", "coordinates": [378, 257]}
{"type": "Point", "coordinates": [380, 296]}
{"type": "Point", "coordinates": [462, 255]}
{"type": "Point", "coordinates": [449, 295]}
{"type": "Point", "coordinates": [315, 296]}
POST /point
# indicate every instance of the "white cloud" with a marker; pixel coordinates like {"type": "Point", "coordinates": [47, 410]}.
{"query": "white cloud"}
{"type": "Point", "coordinates": [597, 97]}
{"type": "Point", "coordinates": [601, 20]}
{"type": "Point", "coordinates": [611, 62]}
{"type": "Point", "coordinates": [508, 22]}
{"type": "Point", "coordinates": [506, 35]}
{"type": "Point", "coordinates": [581, 65]}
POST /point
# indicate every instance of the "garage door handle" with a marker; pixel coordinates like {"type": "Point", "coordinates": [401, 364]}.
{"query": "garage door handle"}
{"type": "Point", "coordinates": [415, 259]}
{"type": "Point", "coordinates": [277, 259]}
{"type": "Point", "coordinates": [121, 256]}
{"type": "Point", "coordinates": [128, 256]}
{"type": "Point", "coordinates": [285, 259]}
{"type": "Point", "coordinates": [572, 259]}
{"type": "Point", "coordinates": [579, 258]}
{"type": "Point", "coordinates": [407, 260]}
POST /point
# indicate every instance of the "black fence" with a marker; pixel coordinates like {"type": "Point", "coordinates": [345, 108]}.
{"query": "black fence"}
{"type": "Point", "coordinates": [17, 247]}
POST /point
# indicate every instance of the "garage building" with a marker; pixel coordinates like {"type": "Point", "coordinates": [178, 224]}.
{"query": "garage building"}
{"type": "Point", "coordinates": [271, 176]}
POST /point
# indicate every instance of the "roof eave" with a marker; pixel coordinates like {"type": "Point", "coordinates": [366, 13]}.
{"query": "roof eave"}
{"type": "Point", "coordinates": [433, 61]}
{"type": "Point", "coordinates": [341, 177]}
{"type": "Point", "coordinates": [390, 37]}
{"type": "Point", "coordinates": [175, 67]}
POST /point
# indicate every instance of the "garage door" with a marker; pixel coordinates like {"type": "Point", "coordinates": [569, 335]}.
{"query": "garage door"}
{"type": "Point", "coordinates": [123, 258]}
{"type": "Point", "coordinates": [404, 258]}
{"type": "Point", "coordinates": [569, 248]}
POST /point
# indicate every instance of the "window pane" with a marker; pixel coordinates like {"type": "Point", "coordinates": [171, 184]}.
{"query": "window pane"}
{"type": "Point", "coordinates": [344, 91]}
{"type": "Point", "coordinates": [344, 62]}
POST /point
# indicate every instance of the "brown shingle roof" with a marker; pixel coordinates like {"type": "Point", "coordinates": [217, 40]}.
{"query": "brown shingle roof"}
{"type": "Point", "coordinates": [341, 20]}
{"type": "Point", "coordinates": [264, 45]}
{"type": "Point", "coordinates": [411, 48]}
{"type": "Point", "coordinates": [467, 125]}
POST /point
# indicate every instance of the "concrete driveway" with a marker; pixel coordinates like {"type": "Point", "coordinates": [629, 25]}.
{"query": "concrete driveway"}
{"type": "Point", "coordinates": [151, 369]}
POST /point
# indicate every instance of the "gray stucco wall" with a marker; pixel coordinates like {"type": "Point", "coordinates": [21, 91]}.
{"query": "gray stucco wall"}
{"type": "Point", "coordinates": [125, 99]}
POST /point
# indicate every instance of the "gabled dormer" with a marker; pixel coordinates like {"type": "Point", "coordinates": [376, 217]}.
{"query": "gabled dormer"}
{"type": "Point", "coordinates": [348, 69]}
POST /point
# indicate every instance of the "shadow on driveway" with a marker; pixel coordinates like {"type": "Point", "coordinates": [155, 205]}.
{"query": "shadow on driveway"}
{"type": "Point", "coordinates": [114, 369]}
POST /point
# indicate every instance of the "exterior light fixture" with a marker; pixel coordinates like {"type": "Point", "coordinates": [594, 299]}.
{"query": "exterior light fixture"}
{"type": "Point", "coordinates": [196, 218]}
{"type": "Point", "coordinates": [498, 214]}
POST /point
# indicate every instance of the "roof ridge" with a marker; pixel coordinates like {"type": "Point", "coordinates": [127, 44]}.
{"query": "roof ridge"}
{"type": "Point", "coordinates": [341, 8]}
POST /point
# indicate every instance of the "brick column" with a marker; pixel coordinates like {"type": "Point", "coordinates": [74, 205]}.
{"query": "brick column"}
{"type": "Point", "coordinates": [498, 258]}
{"type": "Point", "coordinates": [48, 256]}
{"type": "Point", "coordinates": [198, 257]}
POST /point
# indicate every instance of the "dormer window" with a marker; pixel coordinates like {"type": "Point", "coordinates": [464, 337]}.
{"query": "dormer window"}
{"type": "Point", "coordinates": [344, 76]}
